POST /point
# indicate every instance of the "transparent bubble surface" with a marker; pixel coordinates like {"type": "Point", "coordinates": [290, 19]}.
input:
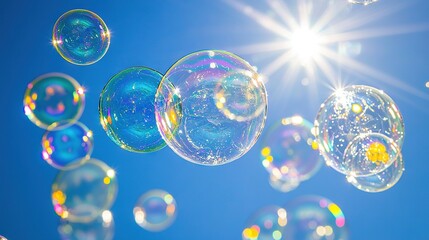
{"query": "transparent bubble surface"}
{"type": "Point", "coordinates": [315, 218]}
{"type": "Point", "coordinates": [289, 149]}
{"type": "Point", "coordinates": [102, 228]}
{"type": "Point", "coordinates": [127, 111]}
{"type": "Point", "coordinates": [83, 193]}
{"type": "Point", "coordinates": [381, 181]}
{"type": "Point", "coordinates": [284, 184]}
{"type": "Point", "coordinates": [369, 154]}
{"type": "Point", "coordinates": [362, 2]}
{"type": "Point", "coordinates": [67, 147]}
{"type": "Point", "coordinates": [350, 112]}
{"type": "Point", "coordinates": [266, 224]}
{"type": "Point", "coordinates": [52, 98]}
{"type": "Point", "coordinates": [155, 210]}
{"type": "Point", "coordinates": [211, 107]}
{"type": "Point", "coordinates": [81, 37]}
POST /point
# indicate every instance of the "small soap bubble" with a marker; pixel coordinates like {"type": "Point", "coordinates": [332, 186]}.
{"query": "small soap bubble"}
{"type": "Point", "coordinates": [211, 107]}
{"type": "Point", "coordinates": [266, 224]}
{"type": "Point", "coordinates": [84, 192]}
{"type": "Point", "coordinates": [81, 37]}
{"type": "Point", "coordinates": [155, 210]}
{"type": "Point", "coordinates": [67, 147]}
{"type": "Point", "coordinates": [127, 111]}
{"type": "Point", "coordinates": [52, 98]}
{"type": "Point", "coordinates": [102, 228]}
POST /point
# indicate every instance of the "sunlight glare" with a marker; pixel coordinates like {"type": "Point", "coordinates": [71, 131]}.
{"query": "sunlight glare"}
{"type": "Point", "coordinates": [305, 43]}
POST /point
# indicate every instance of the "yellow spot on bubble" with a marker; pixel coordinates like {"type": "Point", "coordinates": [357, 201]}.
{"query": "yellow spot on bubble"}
{"type": "Point", "coordinates": [314, 145]}
{"type": "Point", "coordinates": [356, 108]}
{"type": "Point", "coordinates": [59, 197]}
{"type": "Point", "coordinates": [377, 154]}
{"type": "Point", "coordinates": [106, 180]}
{"type": "Point", "coordinates": [266, 151]}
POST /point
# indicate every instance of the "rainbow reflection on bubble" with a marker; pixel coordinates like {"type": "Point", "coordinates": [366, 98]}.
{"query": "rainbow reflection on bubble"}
{"type": "Point", "coordinates": [67, 147]}
{"type": "Point", "coordinates": [52, 98]}
{"type": "Point", "coordinates": [267, 223]}
{"type": "Point", "coordinates": [102, 228]}
{"type": "Point", "coordinates": [81, 37]}
{"type": "Point", "coordinates": [155, 210]}
{"type": "Point", "coordinates": [84, 192]}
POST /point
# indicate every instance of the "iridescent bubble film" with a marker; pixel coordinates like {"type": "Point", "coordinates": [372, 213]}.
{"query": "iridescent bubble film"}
{"type": "Point", "coordinates": [369, 154]}
{"type": "Point", "coordinates": [127, 111]}
{"type": "Point", "coordinates": [283, 184]}
{"type": "Point", "coordinates": [155, 210]}
{"type": "Point", "coordinates": [67, 147]}
{"type": "Point", "coordinates": [362, 2]}
{"type": "Point", "coordinates": [52, 98]}
{"type": "Point", "coordinates": [83, 193]}
{"type": "Point", "coordinates": [211, 107]}
{"type": "Point", "coordinates": [102, 228]}
{"type": "Point", "coordinates": [81, 37]}
{"type": "Point", "coordinates": [350, 112]}
{"type": "Point", "coordinates": [267, 224]}
{"type": "Point", "coordinates": [315, 218]}
{"type": "Point", "coordinates": [381, 181]}
{"type": "Point", "coordinates": [289, 149]}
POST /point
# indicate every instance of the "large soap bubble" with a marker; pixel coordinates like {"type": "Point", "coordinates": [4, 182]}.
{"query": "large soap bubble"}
{"type": "Point", "coordinates": [381, 181]}
{"type": "Point", "coordinates": [350, 112]}
{"type": "Point", "coordinates": [127, 109]}
{"type": "Point", "coordinates": [52, 98]}
{"type": "Point", "coordinates": [211, 107]}
{"type": "Point", "coordinates": [289, 149]}
{"type": "Point", "coordinates": [67, 147]}
{"type": "Point", "coordinates": [83, 193]}
{"type": "Point", "coordinates": [102, 228]}
{"type": "Point", "coordinates": [155, 210]}
{"type": "Point", "coordinates": [315, 218]}
{"type": "Point", "coordinates": [81, 37]}
{"type": "Point", "coordinates": [267, 224]}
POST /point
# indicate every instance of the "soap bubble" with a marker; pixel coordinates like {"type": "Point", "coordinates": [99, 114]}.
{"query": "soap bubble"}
{"type": "Point", "coordinates": [83, 193]}
{"type": "Point", "coordinates": [350, 112]}
{"type": "Point", "coordinates": [81, 37]}
{"type": "Point", "coordinates": [362, 2]}
{"type": "Point", "coordinates": [211, 107]}
{"type": "Point", "coordinates": [381, 181]}
{"type": "Point", "coordinates": [2, 238]}
{"type": "Point", "coordinates": [127, 109]}
{"type": "Point", "coordinates": [369, 154]}
{"type": "Point", "coordinates": [155, 210]}
{"type": "Point", "coordinates": [53, 97]}
{"type": "Point", "coordinates": [289, 149]}
{"type": "Point", "coordinates": [67, 147]}
{"type": "Point", "coordinates": [268, 223]}
{"type": "Point", "coordinates": [315, 218]}
{"type": "Point", "coordinates": [284, 184]}
{"type": "Point", "coordinates": [102, 228]}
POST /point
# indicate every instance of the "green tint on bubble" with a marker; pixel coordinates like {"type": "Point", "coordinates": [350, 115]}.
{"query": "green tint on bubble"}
{"type": "Point", "coordinates": [83, 193]}
{"type": "Point", "coordinates": [155, 210]}
{"type": "Point", "coordinates": [52, 98]}
{"type": "Point", "coordinates": [102, 228]}
{"type": "Point", "coordinates": [67, 147]}
{"type": "Point", "coordinates": [127, 111]}
{"type": "Point", "coordinates": [81, 37]}
{"type": "Point", "coordinates": [211, 107]}
{"type": "Point", "coordinates": [266, 224]}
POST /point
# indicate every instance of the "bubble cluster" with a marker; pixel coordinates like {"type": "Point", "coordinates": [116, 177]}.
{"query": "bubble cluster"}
{"type": "Point", "coordinates": [267, 223]}
{"type": "Point", "coordinates": [81, 37]}
{"type": "Point", "coordinates": [289, 151]}
{"type": "Point", "coordinates": [84, 192]}
{"type": "Point", "coordinates": [313, 217]}
{"type": "Point", "coordinates": [155, 210]}
{"type": "Point", "coordinates": [101, 228]}
{"type": "Point", "coordinates": [52, 98]}
{"type": "Point", "coordinates": [211, 107]}
{"type": "Point", "coordinates": [127, 111]}
{"type": "Point", "coordinates": [67, 147]}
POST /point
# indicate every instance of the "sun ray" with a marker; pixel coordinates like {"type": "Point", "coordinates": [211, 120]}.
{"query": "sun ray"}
{"type": "Point", "coordinates": [283, 11]}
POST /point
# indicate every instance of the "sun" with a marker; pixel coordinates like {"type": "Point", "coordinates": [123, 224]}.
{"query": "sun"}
{"type": "Point", "coordinates": [305, 44]}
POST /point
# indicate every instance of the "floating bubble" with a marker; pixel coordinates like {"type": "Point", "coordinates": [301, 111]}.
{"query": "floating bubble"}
{"type": "Point", "coordinates": [127, 109]}
{"type": "Point", "coordinates": [315, 218]}
{"type": "Point", "coordinates": [381, 181]}
{"type": "Point", "coordinates": [289, 149]}
{"type": "Point", "coordinates": [369, 154]}
{"type": "Point", "coordinates": [52, 98]}
{"type": "Point", "coordinates": [102, 228]}
{"type": "Point", "coordinates": [284, 184]}
{"type": "Point", "coordinates": [155, 210]}
{"type": "Point", "coordinates": [350, 112]}
{"type": "Point", "coordinates": [83, 193]}
{"type": "Point", "coordinates": [81, 37]}
{"type": "Point", "coordinates": [67, 147]}
{"type": "Point", "coordinates": [211, 107]}
{"type": "Point", "coordinates": [362, 2]}
{"type": "Point", "coordinates": [268, 223]}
